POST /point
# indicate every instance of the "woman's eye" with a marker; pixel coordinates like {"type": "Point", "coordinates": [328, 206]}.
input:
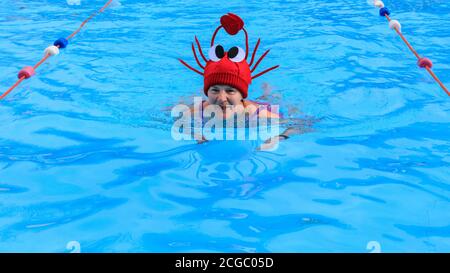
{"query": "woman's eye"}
{"type": "Point", "coordinates": [236, 54]}
{"type": "Point", "coordinates": [216, 52]}
{"type": "Point", "coordinates": [230, 91]}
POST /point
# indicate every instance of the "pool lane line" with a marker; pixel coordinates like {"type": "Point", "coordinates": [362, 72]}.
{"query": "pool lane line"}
{"type": "Point", "coordinates": [422, 62]}
{"type": "Point", "coordinates": [29, 71]}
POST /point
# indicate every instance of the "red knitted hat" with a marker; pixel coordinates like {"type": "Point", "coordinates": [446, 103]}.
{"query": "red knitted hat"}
{"type": "Point", "coordinates": [235, 74]}
{"type": "Point", "coordinates": [228, 67]}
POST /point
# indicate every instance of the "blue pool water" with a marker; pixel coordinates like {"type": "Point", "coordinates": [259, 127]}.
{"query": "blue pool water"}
{"type": "Point", "coordinates": [86, 153]}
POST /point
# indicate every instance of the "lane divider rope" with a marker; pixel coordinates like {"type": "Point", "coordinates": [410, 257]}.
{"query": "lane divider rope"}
{"type": "Point", "coordinates": [29, 71]}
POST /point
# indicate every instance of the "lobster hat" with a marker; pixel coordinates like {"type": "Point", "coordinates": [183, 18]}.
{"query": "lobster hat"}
{"type": "Point", "coordinates": [228, 67]}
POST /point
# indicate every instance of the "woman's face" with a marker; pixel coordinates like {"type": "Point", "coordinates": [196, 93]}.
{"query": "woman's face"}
{"type": "Point", "coordinates": [224, 95]}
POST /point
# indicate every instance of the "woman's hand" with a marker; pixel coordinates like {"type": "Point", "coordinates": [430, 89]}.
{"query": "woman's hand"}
{"type": "Point", "coordinates": [200, 139]}
{"type": "Point", "coordinates": [272, 142]}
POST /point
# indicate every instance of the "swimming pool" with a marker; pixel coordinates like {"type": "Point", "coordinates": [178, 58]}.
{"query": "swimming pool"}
{"type": "Point", "coordinates": [86, 153]}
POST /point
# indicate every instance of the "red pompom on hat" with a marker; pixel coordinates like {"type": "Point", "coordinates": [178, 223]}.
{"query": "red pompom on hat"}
{"type": "Point", "coordinates": [231, 23]}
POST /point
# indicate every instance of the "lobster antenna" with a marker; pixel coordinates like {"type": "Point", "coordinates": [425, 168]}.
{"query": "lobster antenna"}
{"type": "Point", "coordinates": [190, 67]}
{"type": "Point", "coordinates": [195, 55]}
{"type": "Point", "coordinates": [246, 43]}
{"type": "Point", "coordinates": [200, 49]}
{"type": "Point", "coordinates": [214, 35]}
{"type": "Point", "coordinates": [254, 52]}
{"type": "Point", "coordinates": [260, 59]}
{"type": "Point", "coordinates": [265, 71]}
